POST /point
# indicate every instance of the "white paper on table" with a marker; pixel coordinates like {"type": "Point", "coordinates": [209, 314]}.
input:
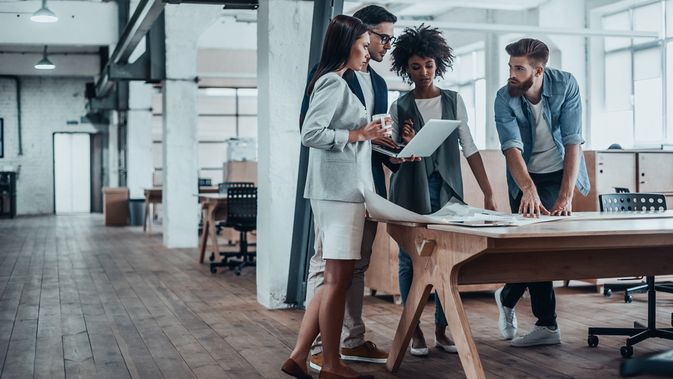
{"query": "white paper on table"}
{"type": "Point", "coordinates": [454, 212]}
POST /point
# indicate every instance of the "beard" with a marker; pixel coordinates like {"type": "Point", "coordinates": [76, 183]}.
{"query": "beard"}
{"type": "Point", "coordinates": [517, 89]}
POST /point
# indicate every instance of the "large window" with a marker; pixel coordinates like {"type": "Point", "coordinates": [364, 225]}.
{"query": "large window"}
{"type": "Point", "coordinates": [468, 78]}
{"type": "Point", "coordinates": [226, 117]}
{"type": "Point", "coordinates": [636, 80]}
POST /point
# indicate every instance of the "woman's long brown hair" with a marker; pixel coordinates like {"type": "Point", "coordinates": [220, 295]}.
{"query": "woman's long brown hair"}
{"type": "Point", "coordinates": [342, 32]}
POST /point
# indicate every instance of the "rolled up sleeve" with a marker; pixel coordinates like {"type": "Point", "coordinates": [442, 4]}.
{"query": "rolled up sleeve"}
{"type": "Point", "coordinates": [506, 125]}
{"type": "Point", "coordinates": [316, 132]}
{"type": "Point", "coordinates": [570, 117]}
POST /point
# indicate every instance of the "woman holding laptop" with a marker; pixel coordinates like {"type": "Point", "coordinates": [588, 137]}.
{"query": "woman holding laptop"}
{"type": "Point", "coordinates": [421, 54]}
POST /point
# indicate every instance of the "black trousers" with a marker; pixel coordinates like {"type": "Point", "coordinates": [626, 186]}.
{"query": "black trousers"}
{"type": "Point", "coordinates": [542, 298]}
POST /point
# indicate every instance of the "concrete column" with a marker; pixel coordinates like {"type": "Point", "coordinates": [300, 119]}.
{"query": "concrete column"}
{"type": "Point", "coordinates": [569, 14]}
{"type": "Point", "coordinates": [184, 25]}
{"type": "Point", "coordinates": [113, 150]}
{"type": "Point", "coordinates": [139, 139]}
{"type": "Point", "coordinates": [280, 25]}
{"type": "Point", "coordinates": [493, 68]}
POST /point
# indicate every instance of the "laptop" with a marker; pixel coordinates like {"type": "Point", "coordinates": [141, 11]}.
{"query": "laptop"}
{"type": "Point", "coordinates": [426, 141]}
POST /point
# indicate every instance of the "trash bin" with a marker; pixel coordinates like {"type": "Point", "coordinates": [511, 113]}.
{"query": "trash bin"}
{"type": "Point", "coordinates": [136, 211]}
{"type": "Point", "coordinates": [115, 206]}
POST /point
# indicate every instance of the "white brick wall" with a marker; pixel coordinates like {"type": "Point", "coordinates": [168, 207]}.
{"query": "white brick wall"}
{"type": "Point", "coordinates": [47, 103]}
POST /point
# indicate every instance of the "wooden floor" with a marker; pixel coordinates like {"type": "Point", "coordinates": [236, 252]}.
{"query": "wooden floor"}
{"type": "Point", "coordinates": [82, 300]}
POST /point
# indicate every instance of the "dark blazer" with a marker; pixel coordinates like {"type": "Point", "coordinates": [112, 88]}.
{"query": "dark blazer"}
{"type": "Point", "coordinates": [380, 106]}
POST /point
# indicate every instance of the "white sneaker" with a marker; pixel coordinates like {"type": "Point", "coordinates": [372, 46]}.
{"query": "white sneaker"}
{"type": "Point", "coordinates": [419, 351]}
{"type": "Point", "coordinates": [506, 318]}
{"type": "Point", "coordinates": [540, 335]}
{"type": "Point", "coordinates": [452, 349]}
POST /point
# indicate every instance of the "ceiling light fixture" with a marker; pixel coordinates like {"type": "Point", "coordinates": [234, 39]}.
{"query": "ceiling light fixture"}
{"type": "Point", "coordinates": [44, 63]}
{"type": "Point", "coordinates": [44, 14]}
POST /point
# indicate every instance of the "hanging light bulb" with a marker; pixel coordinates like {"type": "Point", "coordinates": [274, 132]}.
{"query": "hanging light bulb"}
{"type": "Point", "coordinates": [44, 63]}
{"type": "Point", "coordinates": [44, 14]}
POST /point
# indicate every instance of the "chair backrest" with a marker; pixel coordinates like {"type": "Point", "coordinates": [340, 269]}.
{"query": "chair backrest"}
{"type": "Point", "coordinates": [622, 190]}
{"type": "Point", "coordinates": [631, 202]}
{"type": "Point", "coordinates": [205, 182]}
{"type": "Point", "coordinates": [222, 187]}
{"type": "Point", "coordinates": [242, 207]}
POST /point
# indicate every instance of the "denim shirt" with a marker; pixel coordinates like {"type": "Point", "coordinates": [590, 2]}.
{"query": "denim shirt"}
{"type": "Point", "coordinates": [562, 110]}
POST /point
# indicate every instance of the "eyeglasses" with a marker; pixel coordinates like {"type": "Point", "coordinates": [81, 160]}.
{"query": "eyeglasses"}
{"type": "Point", "coordinates": [385, 39]}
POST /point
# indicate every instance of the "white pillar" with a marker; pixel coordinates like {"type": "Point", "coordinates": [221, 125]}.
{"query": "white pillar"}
{"type": "Point", "coordinates": [492, 68]}
{"type": "Point", "coordinates": [139, 139]}
{"type": "Point", "coordinates": [569, 14]}
{"type": "Point", "coordinates": [113, 150]}
{"type": "Point", "coordinates": [184, 25]}
{"type": "Point", "coordinates": [283, 31]}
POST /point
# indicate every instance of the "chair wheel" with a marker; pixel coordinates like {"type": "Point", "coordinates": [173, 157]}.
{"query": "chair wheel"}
{"type": "Point", "coordinates": [627, 351]}
{"type": "Point", "coordinates": [212, 257]}
{"type": "Point", "coordinates": [607, 292]}
{"type": "Point", "coordinates": [238, 272]}
{"type": "Point", "coordinates": [592, 340]}
{"type": "Point", "coordinates": [213, 269]}
{"type": "Point", "coordinates": [628, 299]}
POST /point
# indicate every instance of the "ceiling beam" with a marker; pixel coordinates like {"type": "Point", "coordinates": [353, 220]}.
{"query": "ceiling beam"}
{"type": "Point", "coordinates": [529, 29]}
{"type": "Point", "coordinates": [513, 5]}
{"type": "Point", "coordinates": [143, 17]}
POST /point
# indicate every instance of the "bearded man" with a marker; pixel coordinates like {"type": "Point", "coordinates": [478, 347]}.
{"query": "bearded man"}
{"type": "Point", "coordinates": [538, 115]}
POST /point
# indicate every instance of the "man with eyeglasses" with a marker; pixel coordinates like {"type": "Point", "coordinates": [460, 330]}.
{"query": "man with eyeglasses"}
{"type": "Point", "coordinates": [372, 91]}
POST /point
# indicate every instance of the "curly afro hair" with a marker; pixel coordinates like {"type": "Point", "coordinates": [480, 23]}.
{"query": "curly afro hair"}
{"type": "Point", "coordinates": [425, 42]}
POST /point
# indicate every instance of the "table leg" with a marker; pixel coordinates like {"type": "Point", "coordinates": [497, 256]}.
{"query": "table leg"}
{"type": "Point", "coordinates": [147, 208]}
{"type": "Point", "coordinates": [151, 216]}
{"type": "Point", "coordinates": [212, 230]}
{"type": "Point", "coordinates": [460, 327]}
{"type": "Point", "coordinates": [418, 297]}
{"type": "Point", "coordinates": [204, 235]}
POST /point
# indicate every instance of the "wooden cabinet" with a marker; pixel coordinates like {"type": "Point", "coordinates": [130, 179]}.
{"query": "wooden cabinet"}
{"type": "Point", "coordinates": [655, 174]}
{"type": "Point", "coordinates": [607, 170]}
{"type": "Point", "coordinates": [638, 171]}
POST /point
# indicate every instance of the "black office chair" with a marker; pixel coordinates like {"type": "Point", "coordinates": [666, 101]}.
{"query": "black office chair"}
{"type": "Point", "coordinates": [659, 365]}
{"type": "Point", "coordinates": [634, 202]}
{"type": "Point", "coordinates": [222, 189]}
{"type": "Point", "coordinates": [627, 283]}
{"type": "Point", "coordinates": [242, 216]}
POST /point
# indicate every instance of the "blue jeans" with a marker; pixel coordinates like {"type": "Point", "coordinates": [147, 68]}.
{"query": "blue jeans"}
{"type": "Point", "coordinates": [405, 269]}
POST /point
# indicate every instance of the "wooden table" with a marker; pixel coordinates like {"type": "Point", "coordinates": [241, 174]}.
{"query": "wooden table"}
{"type": "Point", "coordinates": [591, 245]}
{"type": "Point", "coordinates": [213, 207]}
{"type": "Point", "coordinates": [154, 196]}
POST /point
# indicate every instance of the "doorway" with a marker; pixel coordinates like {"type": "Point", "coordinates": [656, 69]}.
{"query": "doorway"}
{"type": "Point", "coordinates": [72, 173]}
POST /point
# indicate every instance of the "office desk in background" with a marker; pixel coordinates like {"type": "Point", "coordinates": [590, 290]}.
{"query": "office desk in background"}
{"type": "Point", "coordinates": [213, 207]}
{"type": "Point", "coordinates": [590, 245]}
{"type": "Point", "coordinates": [154, 196]}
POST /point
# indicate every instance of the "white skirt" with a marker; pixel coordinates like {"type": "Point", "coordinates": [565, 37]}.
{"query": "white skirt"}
{"type": "Point", "coordinates": [338, 228]}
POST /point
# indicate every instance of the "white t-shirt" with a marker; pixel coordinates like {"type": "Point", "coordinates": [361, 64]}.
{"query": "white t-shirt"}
{"type": "Point", "coordinates": [365, 80]}
{"type": "Point", "coordinates": [545, 157]}
{"type": "Point", "coordinates": [432, 109]}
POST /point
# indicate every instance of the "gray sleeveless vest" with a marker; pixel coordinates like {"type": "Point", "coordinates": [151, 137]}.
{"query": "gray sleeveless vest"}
{"type": "Point", "coordinates": [409, 185]}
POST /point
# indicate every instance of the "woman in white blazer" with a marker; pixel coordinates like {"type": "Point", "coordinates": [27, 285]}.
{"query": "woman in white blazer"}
{"type": "Point", "coordinates": [338, 132]}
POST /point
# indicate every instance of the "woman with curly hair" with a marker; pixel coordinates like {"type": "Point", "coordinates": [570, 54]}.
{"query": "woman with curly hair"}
{"type": "Point", "coordinates": [421, 54]}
